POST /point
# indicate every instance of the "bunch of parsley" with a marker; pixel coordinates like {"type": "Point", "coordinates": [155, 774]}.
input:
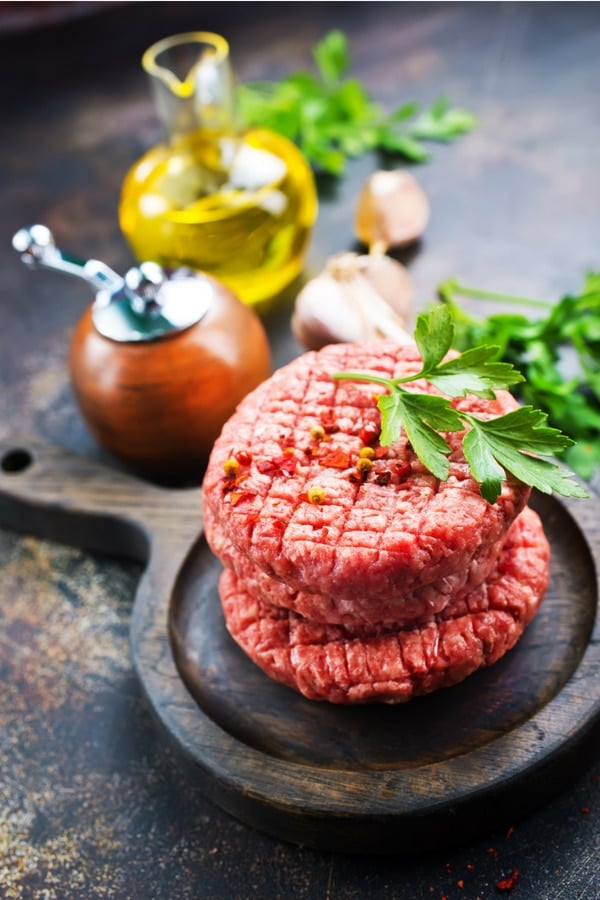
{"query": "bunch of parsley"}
{"type": "Point", "coordinates": [332, 118]}
{"type": "Point", "coordinates": [518, 442]}
{"type": "Point", "coordinates": [557, 350]}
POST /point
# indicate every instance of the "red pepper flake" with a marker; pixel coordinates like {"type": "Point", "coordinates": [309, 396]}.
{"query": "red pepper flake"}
{"type": "Point", "coordinates": [460, 883]}
{"type": "Point", "coordinates": [236, 497]}
{"type": "Point", "coordinates": [492, 852]}
{"type": "Point", "coordinates": [470, 867]}
{"type": "Point", "coordinates": [507, 884]}
{"type": "Point", "coordinates": [328, 422]}
{"type": "Point", "coordinates": [585, 810]}
{"type": "Point", "coordinates": [243, 457]}
{"type": "Point", "coordinates": [335, 459]}
{"type": "Point", "coordinates": [280, 465]}
{"type": "Point", "coordinates": [230, 483]}
{"type": "Point", "coordinates": [357, 477]}
{"type": "Point", "coordinates": [369, 434]}
{"type": "Point", "coordinates": [402, 470]}
{"type": "Point", "coordinates": [381, 452]}
{"type": "Point", "coordinates": [510, 832]}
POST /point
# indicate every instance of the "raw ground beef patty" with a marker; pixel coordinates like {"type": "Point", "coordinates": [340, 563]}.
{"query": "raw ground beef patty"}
{"type": "Point", "coordinates": [419, 605]}
{"type": "Point", "coordinates": [357, 664]}
{"type": "Point", "coordinates": [399, 531]}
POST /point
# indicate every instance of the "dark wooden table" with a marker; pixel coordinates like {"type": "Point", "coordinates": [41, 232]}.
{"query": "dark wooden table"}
{"type": "Point", "coordinates": [92, 803]}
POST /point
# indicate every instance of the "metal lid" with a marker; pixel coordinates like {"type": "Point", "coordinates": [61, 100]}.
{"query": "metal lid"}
{"type": "Point", "coordinates": [149, 303]}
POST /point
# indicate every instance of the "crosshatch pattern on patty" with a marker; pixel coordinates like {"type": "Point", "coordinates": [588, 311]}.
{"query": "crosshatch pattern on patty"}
{"type": "Point", "coordinates": [363, 536]}
{"type": "Point", "coordinates": [416, 607]}
{"type": "Point", "coordinates": [357, 664]}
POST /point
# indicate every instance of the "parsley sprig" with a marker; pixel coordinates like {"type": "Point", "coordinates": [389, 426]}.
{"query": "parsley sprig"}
{"type": "Point", "coordinates": [516, 442]}
{"type": "Point", "coordinates": [556, 346]}
{"type": "Point", "coordinates": [333, 118]}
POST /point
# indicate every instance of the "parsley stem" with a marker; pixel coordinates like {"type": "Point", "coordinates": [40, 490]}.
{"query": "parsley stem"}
{"type": "Point", "coordinates": [449, 288]}
{"type": "Point", "coordinates": [363, 376]}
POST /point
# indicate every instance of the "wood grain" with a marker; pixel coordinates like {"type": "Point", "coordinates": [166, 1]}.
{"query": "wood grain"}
{"type": "Point", "coordinates": [442, 768]}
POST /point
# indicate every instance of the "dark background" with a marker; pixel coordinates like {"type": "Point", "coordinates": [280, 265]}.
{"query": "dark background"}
{"type": "Point", "coordinates": [91, 804]}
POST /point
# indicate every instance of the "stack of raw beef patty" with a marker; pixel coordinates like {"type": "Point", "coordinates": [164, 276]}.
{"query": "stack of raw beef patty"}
{"type": "Point", "coordinates": [351, 573]}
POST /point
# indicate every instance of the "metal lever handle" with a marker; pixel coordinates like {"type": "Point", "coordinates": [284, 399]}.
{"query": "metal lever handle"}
{"type": "Point", "coordinates": [36, 245]}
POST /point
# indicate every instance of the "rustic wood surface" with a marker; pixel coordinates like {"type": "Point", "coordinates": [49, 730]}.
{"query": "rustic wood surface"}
{"type": "Point", "coordinates": [94, 802]}
{"type": "Point", "coordinates": [363, 779]}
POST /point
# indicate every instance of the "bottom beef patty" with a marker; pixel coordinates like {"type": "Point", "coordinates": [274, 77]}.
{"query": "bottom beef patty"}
{"type": "Point", "coordinates": [359, 664]}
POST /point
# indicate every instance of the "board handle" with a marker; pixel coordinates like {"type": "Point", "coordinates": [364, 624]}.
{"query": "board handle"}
{"type": "Point", "coordinates": [58, 495]}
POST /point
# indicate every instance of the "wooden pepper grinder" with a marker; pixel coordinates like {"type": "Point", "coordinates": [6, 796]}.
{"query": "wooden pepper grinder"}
{"type": "Point", "coordinates": [160, 359]}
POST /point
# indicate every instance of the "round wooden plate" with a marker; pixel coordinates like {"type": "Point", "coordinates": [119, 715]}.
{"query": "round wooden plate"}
{"type": "Point", "coordinates": [440, 769]}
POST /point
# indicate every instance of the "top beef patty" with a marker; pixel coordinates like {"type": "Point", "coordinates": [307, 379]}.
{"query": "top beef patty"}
{"type": "Point", "coordinates": [296, 440]}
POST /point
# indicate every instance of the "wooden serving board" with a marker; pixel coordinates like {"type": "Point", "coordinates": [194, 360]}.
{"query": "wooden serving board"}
{"type": "Point", "coordinates": [439, 770]}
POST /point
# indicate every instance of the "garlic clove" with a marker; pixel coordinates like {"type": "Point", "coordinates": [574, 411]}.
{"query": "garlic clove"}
{"type": "Point", "coordinates": [355, 298]}
{"type": "Point", "coordinates": [392, 210]}
{"type": "Point", "coordinates": [325, 314]}
{"type": "Point", "coordinates": [391, 280]}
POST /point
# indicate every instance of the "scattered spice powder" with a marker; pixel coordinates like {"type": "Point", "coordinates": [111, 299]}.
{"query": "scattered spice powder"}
{"type": "Point", "coordinates": [508, 883]}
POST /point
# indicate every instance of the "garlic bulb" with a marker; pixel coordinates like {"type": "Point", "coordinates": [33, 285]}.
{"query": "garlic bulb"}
{"type": "Point", "coordinates": [392, 210]}
{"type": "Point", "coordinates": [356, 298]}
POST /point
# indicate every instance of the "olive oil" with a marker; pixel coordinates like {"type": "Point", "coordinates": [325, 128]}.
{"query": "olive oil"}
{"type": "Point", "coordinates": [240, 206]}
{"type": "Point", "coordinates": [247, 223]}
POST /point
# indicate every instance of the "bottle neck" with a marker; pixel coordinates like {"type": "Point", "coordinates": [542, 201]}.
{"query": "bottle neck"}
{"type": "Point", "coordinates": [193, 84]}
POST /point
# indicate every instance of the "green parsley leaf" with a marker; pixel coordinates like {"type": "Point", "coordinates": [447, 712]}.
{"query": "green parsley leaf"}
{"type": "Point", "coordinates": [557, 348]}
{"type": "Point", "coordinates": [332, 118]}
{"type": "Point", "coordinates": [475, 371]}
{"type": "Point", "coordinates": [441, 123]}
{"type": "Point", "coordinates": [503, 442]}
{"type": "Point", "coordinates": [513, 443]}
{"type": "Point", "coordinates": [433, 336]}
{"type": "Point", "coordinates": [484, 466]}
{"type": "Point", "coordinates": [332, 56]}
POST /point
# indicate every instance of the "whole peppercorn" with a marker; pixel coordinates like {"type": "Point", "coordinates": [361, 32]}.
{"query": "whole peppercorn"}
{"type": "Point", "coordinates": [364, 464]}
{"type": "Point", "coordinates": [315, 495]}
{"type": "Point", "coordinates": [231, 467]}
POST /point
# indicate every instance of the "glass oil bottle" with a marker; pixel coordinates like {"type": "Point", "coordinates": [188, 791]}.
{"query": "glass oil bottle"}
{"type": "Point", "coordinates": [238, 205]}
